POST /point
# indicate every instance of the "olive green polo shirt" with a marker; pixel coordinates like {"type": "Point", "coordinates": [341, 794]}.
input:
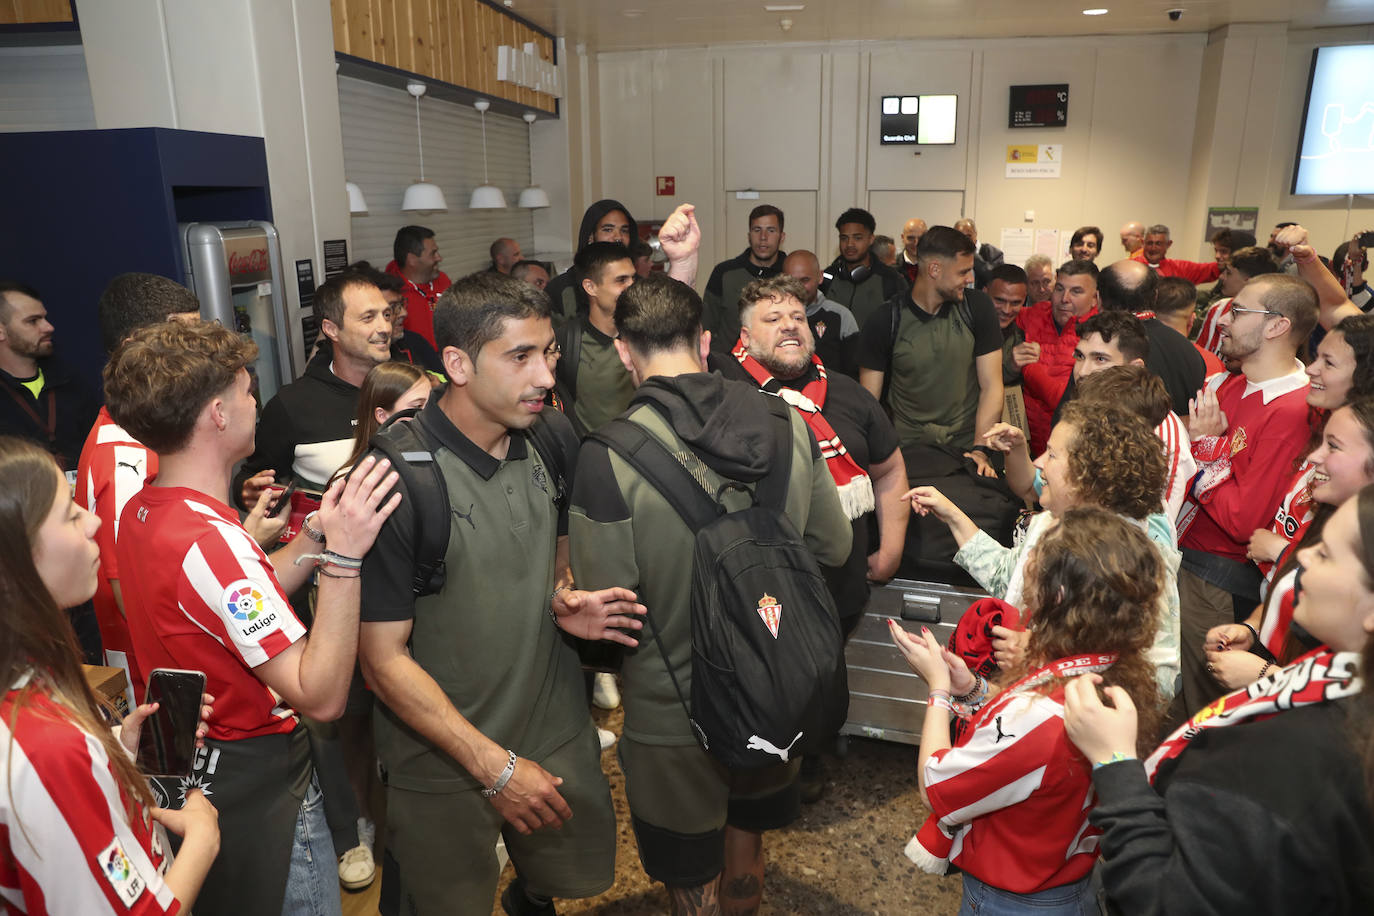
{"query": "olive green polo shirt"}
{"type": "Point", "coordinates": [604, 386]}
{"type": "Point", "coordinates": [487, 637]}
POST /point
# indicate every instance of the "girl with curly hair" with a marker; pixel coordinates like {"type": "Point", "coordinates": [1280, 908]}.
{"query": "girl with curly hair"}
{"type": "Point", "coordinates": [1009, 800]}
{"type": "Point", "coordinates": [1097, 455]}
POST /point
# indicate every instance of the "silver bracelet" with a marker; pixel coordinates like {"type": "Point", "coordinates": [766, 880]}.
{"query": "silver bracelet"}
{"type": "Point", "coordinates": [310, 531]}
{"type": "Point", "coordinates": [504, 778]}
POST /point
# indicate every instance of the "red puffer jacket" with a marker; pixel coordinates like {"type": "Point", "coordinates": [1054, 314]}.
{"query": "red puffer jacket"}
{"type": "Point", "coordinates": [1043, 382]}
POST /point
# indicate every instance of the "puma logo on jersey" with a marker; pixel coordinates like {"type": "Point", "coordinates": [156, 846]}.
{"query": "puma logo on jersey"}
{"type": "Point", "coordinates": [1001, 734]}
{"type": "Point", "coordinates": [467, 516]}
{"type": "Point", "coordinates": [762, 744]}
{"type": "Point", "coordinates": [133, 467]}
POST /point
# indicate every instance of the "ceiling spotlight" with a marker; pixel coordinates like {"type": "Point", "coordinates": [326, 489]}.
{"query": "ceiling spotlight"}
{"type": "Point", "coordinates": [785, 24]}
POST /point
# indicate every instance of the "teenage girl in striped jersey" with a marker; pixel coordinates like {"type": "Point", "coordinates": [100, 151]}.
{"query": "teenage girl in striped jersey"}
{"type": "Point", "coordinates": [78, 830]}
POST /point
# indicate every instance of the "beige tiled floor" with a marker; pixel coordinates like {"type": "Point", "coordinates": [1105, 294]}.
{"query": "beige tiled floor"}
{"type": "Point", "coordinates": [842, 857]}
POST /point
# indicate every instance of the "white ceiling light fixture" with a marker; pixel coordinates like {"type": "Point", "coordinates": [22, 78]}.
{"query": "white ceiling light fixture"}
{"type": "Point", "coordinates": [533, 197]}
{"type": "Point", "coordinates": [485, 196]}
{"type": "Point", "coordinates": [1096, 11]}
{"type": "Point", "coordinates": [422, 196]}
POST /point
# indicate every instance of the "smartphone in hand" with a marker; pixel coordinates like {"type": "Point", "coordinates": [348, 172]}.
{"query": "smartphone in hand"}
{"type": "Point", "coordinates": [283, 500]}
{"type": "Point", "coordinates": [167, 744]}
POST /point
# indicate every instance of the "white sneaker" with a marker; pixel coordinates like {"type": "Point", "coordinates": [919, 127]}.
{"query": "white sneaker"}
{"type": "Point", "coordinates": [356, 868]}
{"type": "Point", "coordinates": [606, 737]}
{"type": "Point", "coordinates": [605, 693]}
{"type": "Point", "coordinates": [367, 833]}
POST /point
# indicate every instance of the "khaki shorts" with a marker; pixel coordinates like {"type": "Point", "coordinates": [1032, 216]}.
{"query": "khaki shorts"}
{"type": "Point", "coordinates": [445, 843]}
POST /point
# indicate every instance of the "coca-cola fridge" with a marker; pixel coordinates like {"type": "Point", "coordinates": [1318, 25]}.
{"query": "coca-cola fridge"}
{"type": "Point", "coordinates": [235, 269]}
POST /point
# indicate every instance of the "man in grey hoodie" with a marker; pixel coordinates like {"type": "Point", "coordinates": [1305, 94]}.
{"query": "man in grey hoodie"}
{"type": "Point", "coordinates": [699, 826]}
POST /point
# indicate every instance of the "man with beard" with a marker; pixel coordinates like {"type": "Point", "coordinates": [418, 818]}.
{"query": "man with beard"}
{"type": "Point", "coordinates": [776, 351]}
{"type": "Point", "coordinates": [43, 401]}
{"type": "Point", "coordinates": [858, 280]}
{"type": "Point", "coordinates": [1247, 430]}
{"type": "Point", "coordinates": [934, 354]}
{"type": "Point", "coordinates": [1006, 287]}
{"type": "Point", "coordinates": [763, 258]}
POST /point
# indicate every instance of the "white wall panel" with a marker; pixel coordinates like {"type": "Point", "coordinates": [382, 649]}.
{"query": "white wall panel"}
{"type": "Point", "coordinates": [380, 155]}
{"type": "Point", "coordinates": [771, 120]}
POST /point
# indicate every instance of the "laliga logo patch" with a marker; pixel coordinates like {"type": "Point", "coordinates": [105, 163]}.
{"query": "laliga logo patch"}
{"type": "Point", "coordinates": [243, 600]}
{"type": "Point", "coordinates": [119, 871]}
{"type": "Point", "coordinates": [1238, 441]}
{"type": "Point", "coordinates": [771, 612]}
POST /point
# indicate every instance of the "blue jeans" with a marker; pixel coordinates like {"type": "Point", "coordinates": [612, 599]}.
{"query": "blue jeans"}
{"type": "Point", "coordinates": [312, 887]}
{"type": "Point", "coordinates": [985, 900]}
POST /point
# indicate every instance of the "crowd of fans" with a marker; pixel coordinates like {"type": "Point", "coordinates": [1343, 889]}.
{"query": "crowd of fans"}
{"type": "Point", "coordinates": [1171, 716]}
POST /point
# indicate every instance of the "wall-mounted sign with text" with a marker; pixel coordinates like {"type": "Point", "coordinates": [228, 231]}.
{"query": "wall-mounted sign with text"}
{"type": "Point", "coordinates": [1039, 106]}
{"type": "Point", "coordinates": [1031, 161]}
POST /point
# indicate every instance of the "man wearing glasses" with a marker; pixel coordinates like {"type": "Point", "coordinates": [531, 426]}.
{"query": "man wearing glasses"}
{"type": "Point", "coordinates": [1247, 430]}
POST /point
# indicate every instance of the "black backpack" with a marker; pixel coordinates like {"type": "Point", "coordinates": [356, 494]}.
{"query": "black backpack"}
{"type": "Point", "coordinates": [409, 445]}
{"type": "Point", "coordinates": [768, 673]}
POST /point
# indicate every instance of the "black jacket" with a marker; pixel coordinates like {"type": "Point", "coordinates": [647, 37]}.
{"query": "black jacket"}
{"type": "Point", "coordinates": [64, 400]}
{"type": "Point", "coordinates": [1262, 817]}
{"type": "Point", "coordinates": [306, 421]}
{"type": "Point", "coordinates": [565, 290]}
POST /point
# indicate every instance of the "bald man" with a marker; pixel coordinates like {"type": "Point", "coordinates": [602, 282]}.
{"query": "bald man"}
{"type": "Point", "coordinates": [832, 325]}
{"type": "Point", "coordinates": [911, 237]}
{"type": "Point", "coordinates": [1132, 238]}
{"type": "Point", "coordinates": [986, 258]}
{"type": "Point", "coordinates": [505, 254]}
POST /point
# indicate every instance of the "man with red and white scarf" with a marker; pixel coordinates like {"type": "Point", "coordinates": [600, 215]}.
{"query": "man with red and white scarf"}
{"type": "Point", "coordinates": [777, 352]}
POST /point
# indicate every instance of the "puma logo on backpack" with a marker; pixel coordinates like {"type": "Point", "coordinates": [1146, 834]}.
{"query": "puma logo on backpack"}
{"type": "Point", "coordinates": [762, 681]}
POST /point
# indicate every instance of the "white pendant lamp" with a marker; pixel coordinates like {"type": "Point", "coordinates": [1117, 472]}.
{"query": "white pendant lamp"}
{"type": "Point", "coordinates": [423, 196]}
{"type": "Point", "coordinates": [486, 196]}
{"type": "Point", "coordinates": [356, 202]}
{"type": "Point", "coordinates": [532, 197]}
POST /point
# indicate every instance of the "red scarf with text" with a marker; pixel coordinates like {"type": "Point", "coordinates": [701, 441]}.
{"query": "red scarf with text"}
{"type": "Point", "coordinates": [1320, 676]}
{"type": "Point", "coordinates": [856, 489]}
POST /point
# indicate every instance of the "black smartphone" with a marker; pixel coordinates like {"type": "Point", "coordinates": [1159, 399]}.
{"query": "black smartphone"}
{"type": "Point", "coordinates": [167, 745]}
{"type": "Point", "coordinates": [283, 500]}
{"type": "Point", "coordinates": [1367, 240]}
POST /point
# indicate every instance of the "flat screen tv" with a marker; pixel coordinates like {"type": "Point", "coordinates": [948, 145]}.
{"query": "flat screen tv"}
{"type": "Point", "coordinates": [1336, 143]}
{"type": "Point", "coordinates": [923, 119]}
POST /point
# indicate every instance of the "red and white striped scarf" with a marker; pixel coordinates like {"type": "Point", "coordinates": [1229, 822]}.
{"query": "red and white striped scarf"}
{"type": "Point", "coordinates": [1320, 676]}
{"type": "Point", "coordinates": [856, 489]}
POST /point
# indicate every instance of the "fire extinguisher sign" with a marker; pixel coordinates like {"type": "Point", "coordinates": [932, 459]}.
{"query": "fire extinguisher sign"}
{"type": "Point", "coordinates": [666, 185]}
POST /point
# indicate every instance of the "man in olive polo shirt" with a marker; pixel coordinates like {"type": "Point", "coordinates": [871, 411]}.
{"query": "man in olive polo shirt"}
{"type": "Point", "coordinates": [945, 360]}
{"type": "Point", "coordinates": [698, 825]}
{"type": "Point", "coordinates": [484, 730]}
{"type": "Point", "coordinates": [591, 380]}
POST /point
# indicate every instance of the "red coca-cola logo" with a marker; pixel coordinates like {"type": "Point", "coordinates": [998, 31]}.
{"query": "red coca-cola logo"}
{"type": "Point", "coordinates": [253, 262]}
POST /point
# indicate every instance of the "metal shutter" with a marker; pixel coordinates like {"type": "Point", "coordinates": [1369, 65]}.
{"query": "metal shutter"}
{"type": "Point", "coordinates": [380, 156]}
{"type": "Point", "coordinates": [46, 88]}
